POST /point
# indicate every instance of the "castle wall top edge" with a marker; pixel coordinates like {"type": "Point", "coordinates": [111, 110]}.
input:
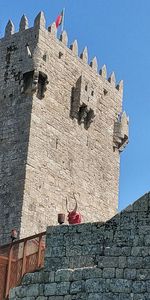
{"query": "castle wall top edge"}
{"type": "Point", "coordinates": [39, 28]}
{"type": "Point", "coordinates": [139, 205]}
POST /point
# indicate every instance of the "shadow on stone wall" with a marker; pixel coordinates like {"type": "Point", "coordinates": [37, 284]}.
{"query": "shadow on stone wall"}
{"type": "Point", "coordinates": [14, 137]}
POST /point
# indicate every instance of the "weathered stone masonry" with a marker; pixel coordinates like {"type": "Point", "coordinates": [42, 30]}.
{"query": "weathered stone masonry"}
{"type": "Point", "coordinates": [109, 261]}
{"type": "Point", "coordinates": [59, 134]}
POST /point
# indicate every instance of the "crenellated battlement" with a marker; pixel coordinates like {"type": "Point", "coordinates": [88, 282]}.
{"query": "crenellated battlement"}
{"type": "Point", "coordinates": [39, 28]}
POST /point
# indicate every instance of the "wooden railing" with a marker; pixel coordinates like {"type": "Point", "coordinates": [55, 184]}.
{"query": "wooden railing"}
{"type": "Point", "coordinates": [20, 257]}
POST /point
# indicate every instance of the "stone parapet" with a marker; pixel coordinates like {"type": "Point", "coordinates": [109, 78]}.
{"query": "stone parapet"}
{"type": "Point", "coordinates": [120, 263]}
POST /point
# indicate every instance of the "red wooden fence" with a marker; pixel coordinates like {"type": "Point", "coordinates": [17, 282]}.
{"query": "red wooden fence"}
{"type": "Point", "coordinates": [20, 257]}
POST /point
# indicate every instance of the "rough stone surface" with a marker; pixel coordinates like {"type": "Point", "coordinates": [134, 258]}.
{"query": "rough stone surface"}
{"type": "Point", "coordinates": [56, 134]}
{"type": "Point", "coordinates": [117, 269]}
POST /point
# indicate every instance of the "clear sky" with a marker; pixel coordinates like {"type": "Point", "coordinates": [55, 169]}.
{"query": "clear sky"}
{"type": "Point", "coordinates": [118, 33]}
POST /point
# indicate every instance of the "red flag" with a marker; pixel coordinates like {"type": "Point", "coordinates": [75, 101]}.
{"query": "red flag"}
{"type": "Point", "coordinates": [59, 19]}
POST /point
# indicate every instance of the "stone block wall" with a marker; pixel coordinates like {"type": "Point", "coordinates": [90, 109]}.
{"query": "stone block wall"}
{"type": "Point", "coordinates": [15, 115]}
{"type": "Point", "coordinates": [95, 261]}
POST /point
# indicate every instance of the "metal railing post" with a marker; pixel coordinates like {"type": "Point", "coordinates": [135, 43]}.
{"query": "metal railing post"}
{"type": "Point", "coordinates": [24, 259]}
{"type": "Point", "coordinates": [39, 251]}
{"type": "Point", "coordinates": [8, 271]}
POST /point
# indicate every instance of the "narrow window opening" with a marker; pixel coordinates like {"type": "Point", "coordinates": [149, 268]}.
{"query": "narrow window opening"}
{"type": "Point", "coordinates": [42, 81]}
{"type": "Point", "coordinates": [27, 81]}
{"type": "Point", "coordinates": [60, 54]}
{"type": "Point", "coordinates": [86, 88]}
{"type": "Point", "coordinates": [82, 114]}
{"type": "Point", "coordinates": [44, 57]}
{"type": "Point", "coordinates": [105, 92]}
{"type": "Point", "coordinates": [8, 57]}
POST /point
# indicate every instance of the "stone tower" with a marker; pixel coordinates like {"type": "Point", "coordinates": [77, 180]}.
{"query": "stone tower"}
{"type": "Point", "coordinates": [62, 130]}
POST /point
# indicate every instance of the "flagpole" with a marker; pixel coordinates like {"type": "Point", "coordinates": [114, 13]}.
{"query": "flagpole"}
{"type": "Point", "coordinates": [62, 26]}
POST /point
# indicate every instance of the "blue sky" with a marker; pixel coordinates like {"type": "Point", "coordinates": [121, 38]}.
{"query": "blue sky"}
{"type": "Point", "coordinates": [118, 33]}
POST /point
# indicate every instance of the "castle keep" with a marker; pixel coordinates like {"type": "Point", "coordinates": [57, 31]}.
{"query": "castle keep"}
{"type": "Point", "coordinates": [62, 130]}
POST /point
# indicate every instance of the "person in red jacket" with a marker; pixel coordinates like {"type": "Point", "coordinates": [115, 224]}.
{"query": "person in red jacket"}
{"type": "Point", "coordinates": [74, 217]}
